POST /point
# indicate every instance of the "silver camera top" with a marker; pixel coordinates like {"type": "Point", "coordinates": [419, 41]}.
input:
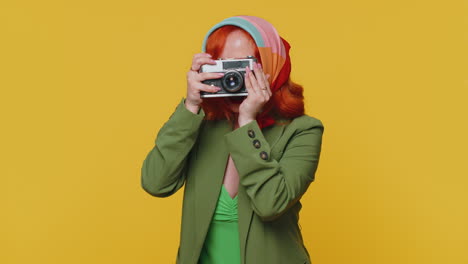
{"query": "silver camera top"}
{"type": "Point", "coordinates": [223, 65]}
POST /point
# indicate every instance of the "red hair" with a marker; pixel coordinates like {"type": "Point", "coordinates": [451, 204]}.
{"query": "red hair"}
{"type": "Point", "coordinates": [287, 102]}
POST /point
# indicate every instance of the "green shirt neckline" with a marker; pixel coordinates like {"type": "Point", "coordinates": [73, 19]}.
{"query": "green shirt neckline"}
{"type": "Point", "coordinates": [227, 193]}
{"type": "Point", "coordinates": [222, 241]}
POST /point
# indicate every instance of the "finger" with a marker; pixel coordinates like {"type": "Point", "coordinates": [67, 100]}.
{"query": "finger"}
{"type": "Point", "coordinates": [260, 78]}
{"type": "Point", "coordinates": [248, 87]}
{"type": "Point", "coordinates": [266, 77]}
{"type": "Point", "coordinates": [198, 62]}
{"type": "Point", "coordinates": [209, 75]}
{"type": "Point", "coordinates": [248, 82]}
{"type": "Point", "coordinates": [254, 82]}
{"type": "Point", "coordinates": [264, 84]}
{"type": "Point", "coordinates": [199, 55]}
{"type": "Point", "coordinates": [207, 88]}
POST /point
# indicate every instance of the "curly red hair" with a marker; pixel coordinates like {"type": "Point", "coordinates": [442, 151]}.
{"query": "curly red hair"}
{"type": "Point", "coordinates": [286, 103]}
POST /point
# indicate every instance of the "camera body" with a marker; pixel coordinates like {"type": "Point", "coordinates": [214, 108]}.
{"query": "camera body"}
{"type": "Point", "coordinates": [232, 83]}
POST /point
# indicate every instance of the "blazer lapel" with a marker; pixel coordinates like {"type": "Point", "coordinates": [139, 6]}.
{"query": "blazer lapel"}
{"type": "Point", "coordinates": [212, 156]}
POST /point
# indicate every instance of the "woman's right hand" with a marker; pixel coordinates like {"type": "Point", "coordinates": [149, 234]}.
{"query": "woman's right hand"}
{"type": "Point", "coordinates": [194, 81]}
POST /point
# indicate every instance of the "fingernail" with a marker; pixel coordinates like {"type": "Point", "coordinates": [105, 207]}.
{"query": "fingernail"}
{"type": "Point", "coordinates": [221, 73]}
{"type": "Point", "coordinates": [259, 66]}
{"type": "Point", "coordinates": [209, 55]}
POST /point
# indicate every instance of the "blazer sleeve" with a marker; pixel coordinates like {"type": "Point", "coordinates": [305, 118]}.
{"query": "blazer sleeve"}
{"type": "Point", "coordinates": [165, 166]}
{"type": "Point", "coordinates": [272, 185]}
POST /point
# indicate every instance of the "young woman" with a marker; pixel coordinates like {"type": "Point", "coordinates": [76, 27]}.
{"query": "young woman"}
{"type": "Point", "coordinates": [245, 161]}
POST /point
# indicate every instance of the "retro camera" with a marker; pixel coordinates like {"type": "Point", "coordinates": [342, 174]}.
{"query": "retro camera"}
{"type": "Point", "coordinates": [232, 83]}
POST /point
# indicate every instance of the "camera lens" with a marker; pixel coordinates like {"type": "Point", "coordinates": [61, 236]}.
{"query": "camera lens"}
{"type": "Point", "coordinates": [233, 81]}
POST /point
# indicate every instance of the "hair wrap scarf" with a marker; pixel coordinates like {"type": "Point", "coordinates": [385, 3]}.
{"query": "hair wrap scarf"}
{"type": "Point", "coordinates": [273, 49]}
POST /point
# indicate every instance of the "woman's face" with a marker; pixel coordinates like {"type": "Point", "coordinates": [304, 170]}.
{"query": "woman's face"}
{"type": "Point", "coordinates": [237, 46]}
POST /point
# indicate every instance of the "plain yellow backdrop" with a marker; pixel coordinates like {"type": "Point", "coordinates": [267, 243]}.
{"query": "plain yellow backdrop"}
{"type": "Point", "coordinates": [86, 85]}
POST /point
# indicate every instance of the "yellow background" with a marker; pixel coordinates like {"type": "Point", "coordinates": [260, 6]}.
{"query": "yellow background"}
{"type": "Point", "coordinates": [86, 85]}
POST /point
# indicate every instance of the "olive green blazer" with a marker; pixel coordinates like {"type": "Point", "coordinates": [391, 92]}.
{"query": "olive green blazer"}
{"type": "Point", "coordinates": [275, 165]}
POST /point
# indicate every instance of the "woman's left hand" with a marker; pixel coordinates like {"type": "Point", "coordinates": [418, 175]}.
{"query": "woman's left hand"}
{"type": "Point", "coordinates": [259, 93]}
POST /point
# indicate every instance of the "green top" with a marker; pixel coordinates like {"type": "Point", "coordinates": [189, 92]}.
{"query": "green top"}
{"type": "Point", "coordinates": [222, 241]}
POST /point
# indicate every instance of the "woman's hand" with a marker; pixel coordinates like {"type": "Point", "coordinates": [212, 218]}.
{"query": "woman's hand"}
{"type": "Point", "coordinates": [258, 89]}
{"type": "Point", "coordinates": [194, 81]}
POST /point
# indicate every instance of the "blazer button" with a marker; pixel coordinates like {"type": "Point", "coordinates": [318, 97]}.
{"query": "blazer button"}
{"type": "Point", "coordinates": [251, 133]}
{"type": "Point", "coordinates": [256, 143]}
{"type": "Point", "coordinates": [263, 155]}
